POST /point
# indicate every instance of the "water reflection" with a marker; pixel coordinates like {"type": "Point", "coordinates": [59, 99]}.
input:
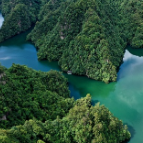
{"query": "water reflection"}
{"type": "Point", "coordinates": [130, 80]}
{"type": "Point", "coordinates": [1, 20]}
{"type": "Point", "coordinates": [130, 65]}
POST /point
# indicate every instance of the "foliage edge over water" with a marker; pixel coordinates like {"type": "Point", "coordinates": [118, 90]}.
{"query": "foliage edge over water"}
{"type": "Point", "coordinates": [86, 37]}
{"type": "Point", "coordinates": [41, 100]}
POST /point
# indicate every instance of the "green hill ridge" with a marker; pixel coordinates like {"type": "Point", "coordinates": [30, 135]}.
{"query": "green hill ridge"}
{"type": "Point", "coordinates": [35, 107]}
{"type": "Point", "coordinates": [85, 37]}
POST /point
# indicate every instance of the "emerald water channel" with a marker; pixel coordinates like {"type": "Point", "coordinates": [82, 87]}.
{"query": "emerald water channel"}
{"type": "Point", "coordinates": [123, 98]}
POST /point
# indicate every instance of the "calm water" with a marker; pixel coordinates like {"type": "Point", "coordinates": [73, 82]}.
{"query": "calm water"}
{"type": "Point", "coordinates": [1, 20]}
{"type": "Point", "coordinates": [124, 98]}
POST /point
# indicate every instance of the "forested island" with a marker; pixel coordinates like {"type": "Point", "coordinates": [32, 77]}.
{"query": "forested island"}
{"type": "Point", "coordinates": [35, 107]}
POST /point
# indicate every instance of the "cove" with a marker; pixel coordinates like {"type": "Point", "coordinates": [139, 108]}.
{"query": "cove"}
{"type": "Point", "coordinates": [124, 98]}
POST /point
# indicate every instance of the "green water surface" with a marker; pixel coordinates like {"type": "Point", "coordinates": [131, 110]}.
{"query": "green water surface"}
{"type": "Point", "coordinates": [124, 98]}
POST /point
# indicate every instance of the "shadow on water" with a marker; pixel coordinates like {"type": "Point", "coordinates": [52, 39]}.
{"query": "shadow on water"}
{"type": "Point", "coordinates": [74, 93]}
{"type": "Point", "coordinates": [17, 40]}
{"type": "Point", "coordinates": [84, 86]}
{"type": "Point", "coordinates": [51, 65]}
{"type": "Point", "coordinates": [131, 130]}
{"type": "Point", "coordinates": [93, 102]}
{"type": "Point", "coordinates": [135, 51]}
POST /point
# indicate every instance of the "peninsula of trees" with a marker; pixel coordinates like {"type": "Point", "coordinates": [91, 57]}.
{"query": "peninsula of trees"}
{"type": "Point", "coordinates": [35, 107]}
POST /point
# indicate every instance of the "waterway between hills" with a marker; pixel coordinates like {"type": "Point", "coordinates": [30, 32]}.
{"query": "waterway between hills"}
{"type": "Point", "coordinates": [124, 98]}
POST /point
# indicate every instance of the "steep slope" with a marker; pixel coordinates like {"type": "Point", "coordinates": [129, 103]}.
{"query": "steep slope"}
{"type": "Point", "coordinates": [19, 16]}
{"type": "Point", "coordinates": [26, 94]}
{"type": "Point", "coordinates": [82, 35]}
{"type": "Point", "coordinates": [84, 123]}
{"type": "Point", "coordinates": [85, 37]}
{"type": "Point", "coordinates": [132, 13]}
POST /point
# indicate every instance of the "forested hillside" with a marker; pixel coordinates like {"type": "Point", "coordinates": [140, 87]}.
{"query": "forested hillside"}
{"type": "Point", "coordinates": [85, 37]}
{"type": "Point", "coordinates": [132, 12]}
{"type": "Point", "coordinates": [26, 94]}
{"type": "Point", "coordinates": [19, 16]}
{"type": "Point", "coordinates": [36, 108]}
{"type": "Point", "coordinates": [76, 34]}
{"type": "Point", "coordinates": [88, 37]}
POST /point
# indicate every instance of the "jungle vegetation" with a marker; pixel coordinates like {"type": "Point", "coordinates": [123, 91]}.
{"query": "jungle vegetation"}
{"type": "Point", "coordinates": [24, 92]}
{"type": "Point", "coordinates": [35, 107]}
{"type": "Point", "coordinates": [19, 16]}
{"type": "Point", "coordinates": [88, 37]}
{"type": "Point", "coordinates": [85, 37]}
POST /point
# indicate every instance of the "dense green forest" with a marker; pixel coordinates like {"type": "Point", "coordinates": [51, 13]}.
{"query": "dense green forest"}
{"type": "Point", "coordinates": [19, 16]}
{"type": "Point", "coordinates": [35, 108]}
{"type": "Point", "coordinates": [85, 37]}
{"type": "Point", "coordinates": [24, 95]}
{"type": "Point", "coordinates": [88, 37]}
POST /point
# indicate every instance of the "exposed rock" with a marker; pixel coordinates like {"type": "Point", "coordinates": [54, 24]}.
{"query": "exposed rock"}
{"type": "Point", "coordinates": [3, 118]}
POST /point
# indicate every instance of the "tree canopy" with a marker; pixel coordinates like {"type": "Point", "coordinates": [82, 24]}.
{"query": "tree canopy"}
{"type": "Point", "coordinates": [35, 108]}
{"type": "Point", "coordinates": [19, 15]}
{"type": "Point", "coordinates": [26, 94]}
{"type": "Point", "coordinates": [85, 37]}
{"type": "Point", "coordinates": [88, 37]}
